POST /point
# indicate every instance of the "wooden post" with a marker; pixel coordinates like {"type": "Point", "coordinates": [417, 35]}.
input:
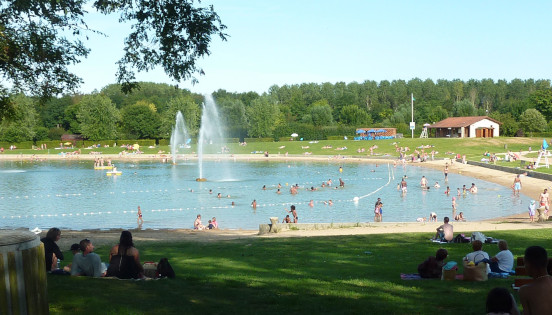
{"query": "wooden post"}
{"type": "Point", "coordinates": [22, 273]}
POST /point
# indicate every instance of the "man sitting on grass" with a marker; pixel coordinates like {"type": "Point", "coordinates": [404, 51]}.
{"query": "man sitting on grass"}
{"type": "Point", "coordinates": [535, 296]}
{"type": "Point", "coordinates": [87, 263]}
{"type": "Point", "coordinates": [444, 232]}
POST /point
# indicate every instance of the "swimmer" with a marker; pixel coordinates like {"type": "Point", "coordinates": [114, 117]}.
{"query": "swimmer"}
{"type": "Point", "coordinates": [330, 202]}
{"type": "Point", "coordinates": [254, 204]}
{"type": "Point", "coordinates": [473, 189]}
{"type": "Point", "coordinates": [403, 185]}
{"type": "Point", "coordinates": [278, 191]}
{"type": "Point", "coordinates": [447, 192]}
{"type": "Point", "coordinates": [423, 182]}
{"type": "Point", "coordinates": [436, 185]}
{"type": "Point", "coordinates": [279, 185]}
{"type": "Point", "coordinates": [264, 187]}
{"type": "Point", "coordinates": [311, 203]}
{"type": "Point", "coordinates": [433, 217]}
{"type": "Point", "coordinates": [219, 195]}
{"type": "Point", "coordinates": [341, 169]}
{"type": "Point", "coordinates": [233, 203]}
{"type": "Point", "coordinates": [210, 191]}
{"type": "Point", "coordinates": [341, 183]}
{"type": "Point", "coordinates": [464, 190]}
{"type": "Point", "coordinates": [458, 192]}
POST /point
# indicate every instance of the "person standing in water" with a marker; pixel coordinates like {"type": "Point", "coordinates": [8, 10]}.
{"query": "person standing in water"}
{"type": "Point", "coordinates": [140, 220]}
{"type": "Point", "coordinates": [517, 185]}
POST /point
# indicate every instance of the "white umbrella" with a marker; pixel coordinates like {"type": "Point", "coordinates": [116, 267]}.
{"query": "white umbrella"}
{"type": "Point", "coordinates": [294, 135]}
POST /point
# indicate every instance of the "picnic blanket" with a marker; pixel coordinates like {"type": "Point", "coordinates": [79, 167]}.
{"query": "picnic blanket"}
{"type": "Point", "coordinates": [416, 276]}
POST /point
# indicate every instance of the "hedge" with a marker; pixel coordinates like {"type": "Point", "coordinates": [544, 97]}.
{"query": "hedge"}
{"type": "Point", "coordinates": [258, 139]}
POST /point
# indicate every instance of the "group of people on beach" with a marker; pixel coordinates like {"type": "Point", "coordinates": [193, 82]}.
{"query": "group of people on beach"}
{"type": "Point", "coordinates": [124, 258]}
{"type": "Point", "coordinates": [211, 225]}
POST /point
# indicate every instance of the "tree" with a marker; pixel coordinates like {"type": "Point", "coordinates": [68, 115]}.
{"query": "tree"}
{"type": "Point", "coordinates": [41, 39]}
{"type": "Point", "coordinates": [532, 120]}
{"type": "Point", "coordinates": [509, 124]}
{"type": "Point", "coordinates": [354, 116]}
{"type": "Point", "coordinates": [463, 108]}
{"type": "Point", "coordinates": [542, 100]}
{"type": "Point", "coordinates": [190, 111]}
{"type": "Point", "coordinates": [321, 114]}
{"type": "Point", "coordinates": [263, 117]}
{"type": "Point", "coordinates": [98, 117]}
{"type": "Point", "coordinates": [140, 121]}
{"type": "Point", "coordinates": [22, 126]}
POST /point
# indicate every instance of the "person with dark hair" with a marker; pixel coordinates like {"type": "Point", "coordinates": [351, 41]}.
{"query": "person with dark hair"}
{"type": "Point", "coordinates": [535, 296]}
{"type": "Point", "coordinates": [87, 263]}
{"type": "Point", "coordinates": [500, 301]}
{"type": "Point", "coordinates": [432, 267]}
{"type": "Point", "coordinates": [294, 213]}
{"type": "Point", "coordinates": [124, 259]}
{"type": "Point", "coordinates": [51, 250]}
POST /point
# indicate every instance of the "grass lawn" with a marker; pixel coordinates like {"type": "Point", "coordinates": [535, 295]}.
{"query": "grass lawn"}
{"type": "Point", "coordinates": [345, 274]}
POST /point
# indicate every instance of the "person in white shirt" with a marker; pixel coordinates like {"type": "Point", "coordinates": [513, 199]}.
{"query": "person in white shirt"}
{"type": "Point", "coordinates": [478, 255]}
{"type": "Point", "coordinates": [503, 261]}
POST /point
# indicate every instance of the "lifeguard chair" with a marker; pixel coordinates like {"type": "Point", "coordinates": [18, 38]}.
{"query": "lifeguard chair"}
{"type": "Point", "coordinates": [543, 153]}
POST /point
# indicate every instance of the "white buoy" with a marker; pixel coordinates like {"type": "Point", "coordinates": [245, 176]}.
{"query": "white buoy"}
{"type": "Point", "coordinates": [356, 199]}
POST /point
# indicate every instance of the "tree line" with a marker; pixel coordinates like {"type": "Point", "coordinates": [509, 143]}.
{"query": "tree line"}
{"type": "Point", "coordinates": [314, 111]}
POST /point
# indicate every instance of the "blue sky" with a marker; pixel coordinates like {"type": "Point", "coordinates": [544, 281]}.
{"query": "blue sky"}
{"type": "Point", "coordinates": [292, 42]}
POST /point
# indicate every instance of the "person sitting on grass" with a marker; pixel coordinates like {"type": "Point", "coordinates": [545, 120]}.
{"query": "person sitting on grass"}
{"type": "Point", "coordinates": [432, 267]}
{"type": "Point", "coordinates": [445, 231]}
{"type": "Point", "coordinates": [87, 263]}
{"type": "Point", "coordinates": [535, 296]}
{"type": "Point", "coordinates": [503, 262]}
{"type": "Point", "coordinates": [500, 301]}
{"type": "Point", "coordinates": [124, 259]}
{"type": "Point", "coordinates": [478, 255]}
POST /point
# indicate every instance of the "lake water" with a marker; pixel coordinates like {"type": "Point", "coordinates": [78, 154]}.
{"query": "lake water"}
{"type": "Point", "coordinates": [72, 195]}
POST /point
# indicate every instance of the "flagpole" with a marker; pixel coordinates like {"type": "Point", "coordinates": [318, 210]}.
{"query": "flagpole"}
{"type": "Point", "coordinates": [412, 104]}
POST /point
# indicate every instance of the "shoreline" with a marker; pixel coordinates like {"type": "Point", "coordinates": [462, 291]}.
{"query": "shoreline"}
{"type": "Point", "coordinates": [531, 187]}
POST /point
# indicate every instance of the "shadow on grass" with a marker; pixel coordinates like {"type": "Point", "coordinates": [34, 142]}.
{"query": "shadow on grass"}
{"type": "Point", "coordinates": [346, 274]}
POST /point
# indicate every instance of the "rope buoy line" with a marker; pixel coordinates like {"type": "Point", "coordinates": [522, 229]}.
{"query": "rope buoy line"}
{"type": "Point", "coordinates": [388, 181]}
{"type": "Point", "coordinates": [194, 209]}
{"type": "Point", "coordinates": [67, 195]}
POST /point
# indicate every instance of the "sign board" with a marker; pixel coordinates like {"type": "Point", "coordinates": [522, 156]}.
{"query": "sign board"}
{"type": "Point", "coordinates": [412, 125]}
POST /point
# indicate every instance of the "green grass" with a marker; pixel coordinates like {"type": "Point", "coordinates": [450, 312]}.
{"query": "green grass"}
{"type": "Point", "coordinates": [345, 274]}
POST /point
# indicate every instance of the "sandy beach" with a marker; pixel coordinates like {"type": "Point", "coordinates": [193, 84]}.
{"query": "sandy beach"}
{"type": "Point", "coordinates": [531, 187]}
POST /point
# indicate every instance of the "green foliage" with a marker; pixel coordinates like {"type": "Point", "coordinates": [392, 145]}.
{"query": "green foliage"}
{"type": "Point", "coordinates": [354, 116]}
{"type": "Point", "coordinates": [172, 34]}
{"type": "Point", "coordinates": [190, 111]}
{"type": "Point", "coordinates": [463, 108]}
{"type": "Point", "coordinates": [509, 124]}
{"type": "Point", "coordinates": [321, 115]}
{"type": "Point", "coordinates": [41, 133]}
{"type": "Point", "coordinates": [263, 117]}
{"type": "Point", "coordinates": [98, 117]}
{"type": "Point", "coordinates": [140, 121]}
{"type": "Point", "coordinates": [23, 124]}
{"type": "Point", "coordinates": [532, 120]}
{"type": "Point", "coordinates": [258, 140]}
{"type": "Point", "coordinates": [542, 101]}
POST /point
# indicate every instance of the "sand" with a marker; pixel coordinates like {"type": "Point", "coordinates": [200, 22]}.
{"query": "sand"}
{"type": "Point", "coordinates": [531, 187]}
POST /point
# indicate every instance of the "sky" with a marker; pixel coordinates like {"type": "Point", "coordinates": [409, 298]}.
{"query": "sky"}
{"type": "Point", "coordinates": [278, 42]}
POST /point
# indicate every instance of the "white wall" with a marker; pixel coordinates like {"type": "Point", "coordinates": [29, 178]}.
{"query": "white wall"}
{"type": "Point", "coordinates": [485, 123]}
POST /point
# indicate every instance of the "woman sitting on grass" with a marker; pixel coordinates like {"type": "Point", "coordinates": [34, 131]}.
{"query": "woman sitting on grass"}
{"type": "Point", "coordinates": [124, 259]}
{"type": "Point", "coordinates": [432, 267]}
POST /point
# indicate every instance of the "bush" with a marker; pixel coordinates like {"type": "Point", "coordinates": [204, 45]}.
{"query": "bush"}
{"type": "Point", "coordinates": [56, 133]}
{"type": "Point", "coordinates": [41, 133]}
{"type": "Point", "coordinates": [258, 139]}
